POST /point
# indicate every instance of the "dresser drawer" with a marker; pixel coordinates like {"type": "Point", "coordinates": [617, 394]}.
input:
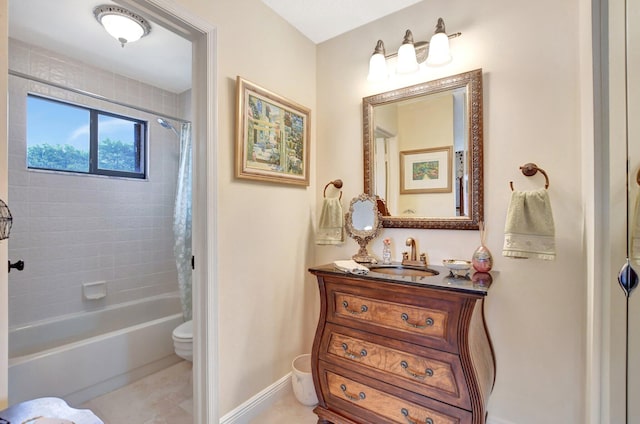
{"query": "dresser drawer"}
{"type": "Point", "coordinates": [425, 321]}
{"type": "Point", "coordinates": [380, 406]}
{"type": "Point", "coordinates": [422, 370]}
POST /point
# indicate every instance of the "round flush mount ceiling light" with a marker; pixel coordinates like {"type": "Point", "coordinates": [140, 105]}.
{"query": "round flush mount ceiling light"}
{"type": "Point", "coordinates": [122, 24]}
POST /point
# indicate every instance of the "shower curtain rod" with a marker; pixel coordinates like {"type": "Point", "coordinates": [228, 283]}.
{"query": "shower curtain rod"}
{"type": "Point", "coordinates": [93, 95]}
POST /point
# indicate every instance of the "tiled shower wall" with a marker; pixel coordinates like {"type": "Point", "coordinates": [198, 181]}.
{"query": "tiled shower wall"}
{"type": "Point", "coordinates": [74, 229]}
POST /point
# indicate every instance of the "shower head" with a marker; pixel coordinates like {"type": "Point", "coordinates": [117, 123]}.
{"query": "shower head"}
{"type": "Point", "coordinates": [166, 124]}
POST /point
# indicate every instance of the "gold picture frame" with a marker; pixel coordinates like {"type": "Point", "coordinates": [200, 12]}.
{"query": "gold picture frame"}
{"type": "Point", "coordinates": [426, 170]}
{"type": "Point", "coordinates": [272, 136]}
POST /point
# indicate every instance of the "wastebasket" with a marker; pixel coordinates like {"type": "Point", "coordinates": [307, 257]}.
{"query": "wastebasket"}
{"type": "Point", "coordinates": [302, 380]}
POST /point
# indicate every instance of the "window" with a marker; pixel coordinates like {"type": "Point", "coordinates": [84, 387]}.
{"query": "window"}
{"type": "Point", "coordinates": [65, 137]}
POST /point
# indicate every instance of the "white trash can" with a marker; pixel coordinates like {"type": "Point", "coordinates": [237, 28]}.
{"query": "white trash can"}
{"type": "Point", "coordinates": [302, 380]}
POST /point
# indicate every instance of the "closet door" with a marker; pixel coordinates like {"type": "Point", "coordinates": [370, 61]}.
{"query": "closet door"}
{"type": "Point", "coordinates": [630, 271]}
{"type": "Point", "coordinates": [633, 223]}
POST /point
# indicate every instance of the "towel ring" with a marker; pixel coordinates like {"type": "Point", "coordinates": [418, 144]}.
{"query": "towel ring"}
{"type": "Point", "coordinates": [337, 184]}
{"type": "Point", "coordinates": [530, 169]}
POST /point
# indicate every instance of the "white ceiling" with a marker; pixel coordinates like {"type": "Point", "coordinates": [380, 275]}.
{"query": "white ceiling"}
{"type": "Point", "coordinates": [163, 58]}
{"type": "Point", "coordinates": [321, 20]}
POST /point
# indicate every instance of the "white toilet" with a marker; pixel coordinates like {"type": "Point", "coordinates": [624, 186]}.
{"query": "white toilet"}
{"type": "Point", "coordinates": [183, 340]}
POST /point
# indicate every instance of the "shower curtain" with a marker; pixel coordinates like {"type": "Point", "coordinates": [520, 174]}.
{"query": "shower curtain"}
{"type": "Point", "coordinates": [182, 221]}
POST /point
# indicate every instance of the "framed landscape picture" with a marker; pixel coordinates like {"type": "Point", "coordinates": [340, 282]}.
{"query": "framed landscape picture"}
{"type": "Point", "coordinates": [426, 170]}
{"type": "Point", "coordinates": [272, 136]}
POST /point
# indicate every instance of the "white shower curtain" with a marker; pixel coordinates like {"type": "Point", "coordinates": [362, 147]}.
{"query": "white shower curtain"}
{"type": "Point", "coordinates": [182, 221]}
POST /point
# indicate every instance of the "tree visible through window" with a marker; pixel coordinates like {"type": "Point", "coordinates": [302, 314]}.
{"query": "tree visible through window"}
{"type": "Point", "coordinates": [65, 137]}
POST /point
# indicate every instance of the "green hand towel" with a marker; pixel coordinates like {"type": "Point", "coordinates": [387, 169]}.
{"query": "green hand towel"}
{"type": "Point", "coordinates": [529, 230]}
{"type": "Point", "coordinates": [331, 223]}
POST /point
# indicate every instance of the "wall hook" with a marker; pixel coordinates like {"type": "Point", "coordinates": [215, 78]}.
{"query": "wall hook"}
{"type": "Point", "coordinates": [530, 169]}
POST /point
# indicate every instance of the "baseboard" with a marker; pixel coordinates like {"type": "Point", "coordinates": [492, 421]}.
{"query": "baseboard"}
{"type": "Point", "coordinates": [259, 403]}
{"type": "Point", "coordinates": [253, 407]}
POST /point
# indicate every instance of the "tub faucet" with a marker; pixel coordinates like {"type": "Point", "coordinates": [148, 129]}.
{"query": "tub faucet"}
{"type": "Point", "coordinates": [412, 259]}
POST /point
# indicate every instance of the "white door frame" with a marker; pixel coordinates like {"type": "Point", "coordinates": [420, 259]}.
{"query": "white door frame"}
{"type": "Point", "coordinates": [606, 340]}
{"type": "Point", "coordinates": [204, 104]}
{"type": "Point", "coordinates": [4, 188]}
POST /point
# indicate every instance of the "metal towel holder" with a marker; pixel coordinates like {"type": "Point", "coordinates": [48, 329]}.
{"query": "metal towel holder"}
{"type": "Point", "coordinates": [337, 184]}
{"type": "Point", "coordinates": [530, 169]}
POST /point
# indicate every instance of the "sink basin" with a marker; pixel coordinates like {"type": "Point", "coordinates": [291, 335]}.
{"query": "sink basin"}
{"type": "Point", "coordinates": [403, 270]}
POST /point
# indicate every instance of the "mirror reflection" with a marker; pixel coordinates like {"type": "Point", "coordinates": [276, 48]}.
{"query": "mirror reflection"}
{"type": "Point", "coordinates": [363, 223]}
{"type": "Point", "coordinates": [423, 153]}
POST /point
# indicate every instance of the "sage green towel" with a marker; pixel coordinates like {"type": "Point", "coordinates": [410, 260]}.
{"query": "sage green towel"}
{"type": "Point", "coordinates": [529, 231]}
{"type": "Point", "coordinates": [331, 223]}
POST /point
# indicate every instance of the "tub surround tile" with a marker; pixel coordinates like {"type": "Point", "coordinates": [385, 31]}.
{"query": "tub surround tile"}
{"type": "Point", "coordinates": [69, 219]}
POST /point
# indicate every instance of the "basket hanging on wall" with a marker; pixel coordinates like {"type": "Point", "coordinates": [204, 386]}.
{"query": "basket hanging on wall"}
{"type": "Point", "coordinates": [6, 220]}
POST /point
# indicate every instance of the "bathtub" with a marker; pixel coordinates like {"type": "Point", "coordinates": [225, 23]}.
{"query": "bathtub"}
{"type": "Point", "coordinates": [78, 357]}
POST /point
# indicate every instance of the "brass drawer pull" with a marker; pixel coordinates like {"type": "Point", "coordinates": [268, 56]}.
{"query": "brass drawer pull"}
{"type": "Point", "coordinates": [353, 355]}
{"type": "Point", "coordinates": [350, 396]}
{"type": "Point", "coordinates": [415, 374]}
{"type": "Point", "coordinates": [411, 420]}
{"type": "Point", "coordinates": [362, 310]}
{"type": "Point", "coordinates": [428, 322]}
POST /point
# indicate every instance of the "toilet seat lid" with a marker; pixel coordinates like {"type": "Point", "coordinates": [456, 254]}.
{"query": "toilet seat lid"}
{"type": "Point", "coordinates": [184, 330]}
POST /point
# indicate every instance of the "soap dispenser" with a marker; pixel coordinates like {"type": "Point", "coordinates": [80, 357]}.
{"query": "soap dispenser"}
{"type": "Point", "coordinates": [386, 251]}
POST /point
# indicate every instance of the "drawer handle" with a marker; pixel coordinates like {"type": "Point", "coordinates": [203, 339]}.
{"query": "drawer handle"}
{"type": "Point", "coordinates": [362, 310]}
{"type": "Point", "coordinates": [415, 374]}
{"type": "Point", "coordinates": [350, 396]}
{"type": "Point", "coordinates": [411, 420]}
{"type": "Point", "coordinates": [353, 355]}
{"type": "Point", "coordinates": [427, 323]}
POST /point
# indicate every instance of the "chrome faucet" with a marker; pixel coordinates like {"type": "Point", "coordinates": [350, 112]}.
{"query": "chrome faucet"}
{"type": "Point", "coordinates": [413, 258]}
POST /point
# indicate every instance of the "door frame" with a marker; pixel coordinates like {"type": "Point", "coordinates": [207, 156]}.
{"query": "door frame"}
{"type": "Point", "coordinates": [204, 104]}
{"type": "Point", "coordinates": [203, 36]}
{"type": "Point", "coordinates": [606, 335]}
{"type": "Point", "coordinates": [4, 191]}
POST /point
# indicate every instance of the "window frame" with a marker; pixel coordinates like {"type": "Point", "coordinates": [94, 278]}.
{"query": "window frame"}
{"type": "Point", "coordinates": [140, 143]}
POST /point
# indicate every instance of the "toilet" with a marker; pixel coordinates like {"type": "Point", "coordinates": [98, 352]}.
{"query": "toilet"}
{"type": "Point", "coordinates": [183, 340]}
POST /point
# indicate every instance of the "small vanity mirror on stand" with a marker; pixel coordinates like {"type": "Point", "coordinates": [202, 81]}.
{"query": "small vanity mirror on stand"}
{"type": "Point", "coordinates": [363, 223]}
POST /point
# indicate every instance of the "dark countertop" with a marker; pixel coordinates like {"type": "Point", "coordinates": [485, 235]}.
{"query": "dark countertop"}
{"type": "Point", "coordinates": [477, 283]}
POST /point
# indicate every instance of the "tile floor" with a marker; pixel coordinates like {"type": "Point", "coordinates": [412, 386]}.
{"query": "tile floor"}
{"type": "Point", "coordinates": [166, 397]}
{"type": "Point", "coordinates": [287, 411]}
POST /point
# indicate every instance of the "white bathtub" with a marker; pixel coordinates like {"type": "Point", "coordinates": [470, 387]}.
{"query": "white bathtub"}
{"type": "Point", "coordinates": [81, 356]}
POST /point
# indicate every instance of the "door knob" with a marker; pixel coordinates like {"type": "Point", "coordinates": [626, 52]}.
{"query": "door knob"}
{"type": "Point", "coordinates": [17, 265]}
{"type": "Point", "coordinates": [628, 279]}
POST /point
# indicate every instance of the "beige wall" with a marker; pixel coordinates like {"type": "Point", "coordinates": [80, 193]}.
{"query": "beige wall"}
{"type": "Point", "coordinates": [267, 302]}
{"type": "Point", "coordinates": [535, 310]}
{"type": "Point", "coordinates": [428, 125]}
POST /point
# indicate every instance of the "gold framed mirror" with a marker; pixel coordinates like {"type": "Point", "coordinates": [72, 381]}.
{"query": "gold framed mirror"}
{"type": "Point", "coordinates": [423, 158]}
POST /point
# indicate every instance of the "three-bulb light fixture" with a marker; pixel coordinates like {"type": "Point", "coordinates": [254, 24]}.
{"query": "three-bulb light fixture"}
{"type": "Point", "coordinates": [407, 61]}
{"type": "Point", "coordinates": [122, 24]}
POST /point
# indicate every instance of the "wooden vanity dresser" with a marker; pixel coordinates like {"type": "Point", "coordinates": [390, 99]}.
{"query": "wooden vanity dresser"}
{"type": "Point", "coordinates": [398, 349]}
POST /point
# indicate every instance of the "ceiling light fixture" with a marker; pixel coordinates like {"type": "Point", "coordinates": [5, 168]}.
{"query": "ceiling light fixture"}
{"type": "Point", "coordinates": [407, 62]}
{"type": "Point", "coordinates": [122, 24]}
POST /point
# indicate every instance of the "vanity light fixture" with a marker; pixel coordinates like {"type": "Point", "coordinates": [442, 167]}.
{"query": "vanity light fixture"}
{"type": "Point", "coordinates": [407, 62]}
{"type": "Point", "coordinates": [122, 24]}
